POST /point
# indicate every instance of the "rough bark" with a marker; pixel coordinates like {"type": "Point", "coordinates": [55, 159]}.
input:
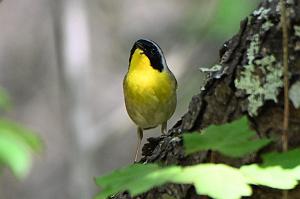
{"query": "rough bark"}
{"type": "Point", "coordinates": [259, 44]}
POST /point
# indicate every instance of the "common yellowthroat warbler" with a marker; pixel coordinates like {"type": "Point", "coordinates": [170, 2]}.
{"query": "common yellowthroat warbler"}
{"type": "Point", "coordinates": [149, 88]}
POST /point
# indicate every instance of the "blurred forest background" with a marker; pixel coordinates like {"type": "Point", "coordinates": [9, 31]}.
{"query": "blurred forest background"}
{"type": "Point", "coordinates": [63, 62]}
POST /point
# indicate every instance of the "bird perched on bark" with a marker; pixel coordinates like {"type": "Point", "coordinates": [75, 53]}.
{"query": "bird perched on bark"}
{"type": "Point", "coordinates": [149, 88]}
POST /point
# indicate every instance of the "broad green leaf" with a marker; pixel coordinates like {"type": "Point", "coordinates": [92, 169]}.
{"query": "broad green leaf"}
{"type": "Point", "coordinates": [213, 180]}
{"type": "Point", "coordinates": [288, 160]}
{"type": "Point", "coordinates": [16, 146]}
{"type": "Point", "coordinates": [123, 175]}
{"type": "Point", "coordinates": [14, 154]}
{"type": "Point", "coordinates": [208, 179]}
{"type": "Point", "coordinates": [4, 99]}
{"type": "Point", "coordinates": [22, 133]}
{"type": "Point", "coordinates": [136, 179]}
{"type": "Point", "coordinates": [274, 176]}
{"type": "Point", "coordinates": [279, 170]}
{"type": "Point", "coordinates": [233, 139]}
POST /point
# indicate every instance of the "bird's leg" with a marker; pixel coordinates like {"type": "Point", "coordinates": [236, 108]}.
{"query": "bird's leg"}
{"type": "Point", "coordinates": [140, 137]}
{"type": "Point", "coordinates": [164, 128]}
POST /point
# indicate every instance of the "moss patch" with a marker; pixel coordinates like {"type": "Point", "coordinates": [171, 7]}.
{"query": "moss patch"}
{"type": "Point", "coordinates": [261, 78]}
{"type": "Point", "coordinates": [261, 12]}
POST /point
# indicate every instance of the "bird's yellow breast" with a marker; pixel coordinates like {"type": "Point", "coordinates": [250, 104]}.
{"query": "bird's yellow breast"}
{"type": "Point", "coordinates": [150, 95]}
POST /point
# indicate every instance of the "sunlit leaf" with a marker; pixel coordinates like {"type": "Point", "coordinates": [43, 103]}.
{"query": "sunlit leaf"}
{"type": "Point", "coordinates": [136, 179]}
{"type": "Point", "coordinates": [274, 176]}
{"type": "Point", "coordinates": [14, 154]}
{"type": "Point", "coordinates": [287, 160]}
{"type": "Point", "coordinates": [16, 146]}
{"type": "Point", "coordinates": [208, 179]}
{"type": "Point", "coordinates": [213, 180]}
{"type": "Point", "coordinates": [233, 139]}
{"type": "Point", "coordinates": [22, 133]}
{"type": "Point", "coordinates": [279, 171]}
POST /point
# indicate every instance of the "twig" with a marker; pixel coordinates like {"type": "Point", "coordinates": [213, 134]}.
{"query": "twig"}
{"type": "Point", "coordinates": [285, 76]}
{"type": "Point", "coordinates": [286, 113]}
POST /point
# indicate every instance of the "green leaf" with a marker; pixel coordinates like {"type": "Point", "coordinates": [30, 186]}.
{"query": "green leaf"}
{"type": "Point", "coordinates": [123, 175]}
{"type": "Point", "coordinates": [289, 159]}
{"type": "Point", "coordinates": [4, 100]}
{"type": "Point", "coordinates": [136, 179]}
{"type": "Point", "coordinates": [210, 179]}
{"type": "Point", "coordinates": [16, 146]}
{"type": "Point", "coordinates": [14, 154]}
{"type": "Point", "coordinates": [233, 139]}
{"type": "Point", "coordinates": [274, 176]}
{"type": "Point", "coordinates": [21, 133]}
{"type": "Point", "coordinates": [279, 171]}
{"type": "Point", "coordinates": [213, 180]}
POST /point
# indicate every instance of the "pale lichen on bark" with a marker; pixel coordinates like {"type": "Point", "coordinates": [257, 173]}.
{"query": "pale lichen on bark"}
{"type": "Point", "coordinates": [261, 78]}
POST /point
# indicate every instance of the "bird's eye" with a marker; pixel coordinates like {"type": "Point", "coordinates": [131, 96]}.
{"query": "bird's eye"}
{"type": "Point", "coordinates": [141, 53]}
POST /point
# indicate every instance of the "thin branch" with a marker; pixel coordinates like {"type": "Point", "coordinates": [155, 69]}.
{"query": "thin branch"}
{"type": "Point", "coordinates": [286, 76]}
{"type": "Point", "coordinates": [286, 113]}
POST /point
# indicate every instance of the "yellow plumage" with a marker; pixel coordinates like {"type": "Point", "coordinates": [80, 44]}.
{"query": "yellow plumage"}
{"type": "Point", "coordinates": [150, 93]}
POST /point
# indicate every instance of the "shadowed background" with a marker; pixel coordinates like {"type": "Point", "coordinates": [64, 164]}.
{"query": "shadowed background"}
{"type": "Point", "coordinates": [63, 63]}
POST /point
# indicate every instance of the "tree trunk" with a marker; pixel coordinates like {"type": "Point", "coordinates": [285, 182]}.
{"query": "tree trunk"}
{"type": "Point", "coordinates": [248, 80]}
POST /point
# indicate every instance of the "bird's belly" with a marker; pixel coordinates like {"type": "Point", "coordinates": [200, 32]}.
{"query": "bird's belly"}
{"type": "Point", "coordinates": [149, 105]}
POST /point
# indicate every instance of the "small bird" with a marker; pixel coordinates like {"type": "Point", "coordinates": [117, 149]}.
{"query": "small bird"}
{"type": "Point", "coordinates": [149, 88]}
